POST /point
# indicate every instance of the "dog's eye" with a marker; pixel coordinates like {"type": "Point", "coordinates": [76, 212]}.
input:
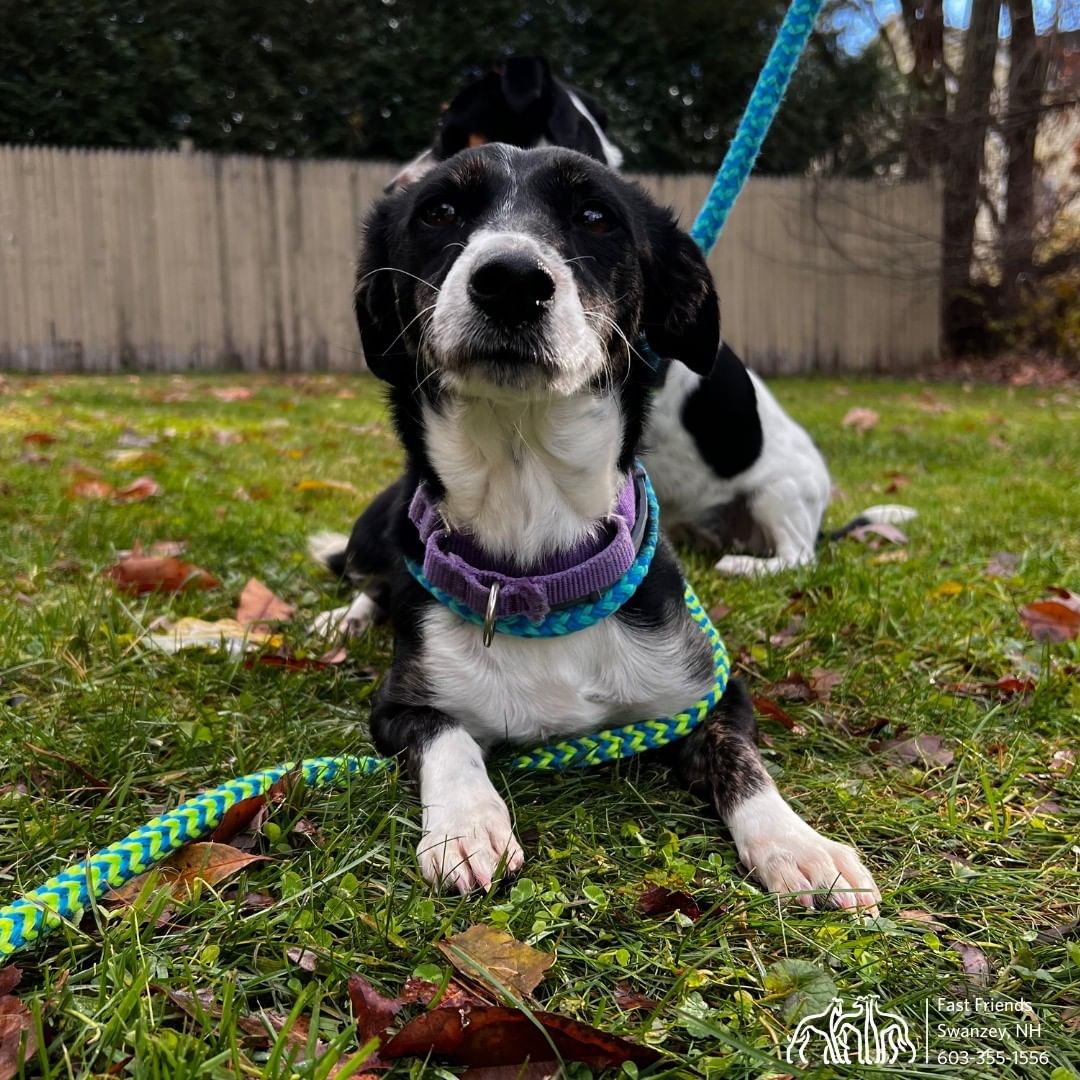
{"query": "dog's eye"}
{"type": "Point", "coordinates": [440, 215]}
{"type": "Point", "coordinates": [595, 217]}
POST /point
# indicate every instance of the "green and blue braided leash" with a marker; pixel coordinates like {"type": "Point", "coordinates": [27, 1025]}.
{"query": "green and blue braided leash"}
{"type": "Point", "coordinates": [66, 896]}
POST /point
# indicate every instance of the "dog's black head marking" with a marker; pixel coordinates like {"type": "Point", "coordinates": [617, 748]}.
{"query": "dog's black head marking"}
{"type": "Point", "coordinates": [535, 267]}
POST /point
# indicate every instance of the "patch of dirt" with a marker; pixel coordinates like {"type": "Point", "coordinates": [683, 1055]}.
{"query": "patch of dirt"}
{"type": "Point", "coordinates": [1049, 372]}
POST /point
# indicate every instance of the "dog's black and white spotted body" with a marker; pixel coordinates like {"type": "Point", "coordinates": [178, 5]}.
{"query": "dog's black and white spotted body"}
{"type": "Point", "coordinates": [499, 298]}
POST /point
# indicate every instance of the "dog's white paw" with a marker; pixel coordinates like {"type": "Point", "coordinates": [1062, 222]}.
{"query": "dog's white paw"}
{"type": "Point", "coordinates": [787, 856]}
{"type": "Point", "coordinates": [339, 624]}
{"type": "Point", "coordinates": [463, 849]}
{"type": "Point", "coordinates": [738, 566]}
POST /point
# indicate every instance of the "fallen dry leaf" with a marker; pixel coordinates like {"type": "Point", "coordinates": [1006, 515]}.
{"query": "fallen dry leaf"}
{"type": "Point", "coordinates": [163, 548]}
{"type": "Point", "coordinates": [823, 682]}
{"type": "Point", "coordinates": [140, 489]}
{"type": "Point", "coordinates": [326, 485]}
{"type": "Point", "coordinates": [182, 872]}
{"type": "Point", "coordinates": [18, 1043]}
{"type": "Point", "coordinates": [496, 959]}
{"type": "Point", "coordinates": [150, 573]}
{"type": "Point", "coordinates": [897, 555]}
{"type": "Point", "coordinates": [226, 635]}
{"type": "Point", "coordinates": [1002, 564]}
{"type": "Point", "coordinates": [920, 916]}
{"type": "Point", "coordinates": [924, 750]}
{"type": "Point", "coordinates": [878, 529]}
{"type": "Point", "coordinates": [91, 489]}
{"type": "Point", "coordinates": [38, 438]}
{"type": "Point", "coordinates": [495, 1035]}
{"type": "Point", "coordinates": [629, 999]}
{"type": "Point", "coordinates": [1006, 687]}
{"type": "Point", "coordinates": [1056, 620]}
{"type": "Point", "coordinates": [374, 1012]}
{"type": "Point", "coordinates": [10, 977]}
{"type": "Point", "coordinates": [232, 393]}
{"type": "Point", "coordinates": [258, 604]}
{"type": "Point", "coordinates": [862, 420]}
{"type": "Point", "coordinates": [973, 960]}
{"type": "Point", "coordinates": [718, 612]}
{"type": "Point", "coordinates": [770, 709]}
{"type": "Point", "coordinates": [421, 992]}
{"type": "Point", "coordinates": [656, 902]}
{"type": "Point", "coordinates": [249, 814]}
{"type": "Point", "coordinates": [304, 959]}
{"type": "Point", "coordinates": [897, 482]}
{"type": "Point", "coordinates": [795, 688]}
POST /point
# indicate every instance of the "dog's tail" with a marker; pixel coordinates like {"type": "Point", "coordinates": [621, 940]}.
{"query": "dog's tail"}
{"type": "Point", "coordinates": [328, 549]}
{"type": "Point", "coordinates": [885, 514]}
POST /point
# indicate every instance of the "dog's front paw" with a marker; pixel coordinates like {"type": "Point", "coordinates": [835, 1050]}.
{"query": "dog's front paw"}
{"type": "Point", "coordinates": [740, 566]}
{"type": "Point", "coordinates": [339, 624]}
{"type": "Point", "coordinates": [787, 856]}
{"type": "Point", "coordinates": [463, 849]}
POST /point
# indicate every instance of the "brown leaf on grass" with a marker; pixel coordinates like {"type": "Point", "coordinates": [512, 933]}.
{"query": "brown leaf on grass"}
{"type": "Point", "coordinates": [288, 663]}
{"type": "Point", "coordinates": [256, 901]}
{"type": "Point", "coordinates": [774, 712]}
{"type": "Point", "coordinates": [232, 393]}
{"type": "Point", "coordinates": [897, 482]}
{"type": "Point", "coordinates": [973, 960]}
{"type": "Point", "coordinates": [495, 1035]}
{"type": "Point", "coordinates": [374, 1013]}
{"type": "Point", "coordinates": [496, 959]}
{"type": "Point", "coordinates": [140, 489]}
{"type": "Point", "coordinates": [258, 604]}
{"type": "Point", "coordinates": [421, 992]}
{"type": "Point", "coordinates": [920, 916]}
{"type": "Point", "coordinates": [880, 529]}
{"type": "Point", "coordinates": [162, 548]}
{"type": "Point", "coordinates": [1054, 620]}
{"type": "Point", "coordinates": [224, 437]}
{"type": "Point", "coordinates": [926, 750]}
{"type": "Point", "coordinates": [18, 1043]}
{"type": "Point", "coordinates": [38, 438]}
{"type": "Point", "coordinates": [630, 1000]}
{"type": "Point", "coordinates": [823, 682]}
{"type": "Point", "coordinates": [795, 688]}
{"type": "Point", "coordinates": [326, 485]}
{"type": "Point", "coordinates": [182, 872]}
{"type": "Point", "coordinates": [249, 814]}
{"type": "Point", "coordinates": [1008, 686]}
{"type": "Point", "coordinates": [10, 977]}
{"type": "Point", "coordinates": [1002, 564]}
{"type": "Point", "coordinates": [91, 489]}
{"type": "Point", "coordinates": [656, 902]}
{"type": "Point", "coordinates": [718, 612]}
{"type": "Point", "coordinates": [152, 573]}
{"type": "Point", "coordinates": [304, 959]}
{"type": "Point", "coordinates": [862, 420]}
{"type": "Point", "coordinates": [1063, 762]}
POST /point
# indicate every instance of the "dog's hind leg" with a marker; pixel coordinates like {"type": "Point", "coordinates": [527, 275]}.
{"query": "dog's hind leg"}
{"type": "Point", "coordinates": [363, 557]}
{"type": "Point", "coordinates": [720, 760]}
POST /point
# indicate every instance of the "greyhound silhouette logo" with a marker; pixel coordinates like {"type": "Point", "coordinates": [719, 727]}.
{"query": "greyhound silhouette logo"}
{"type": "Point", "coordinates": [862, 1034]}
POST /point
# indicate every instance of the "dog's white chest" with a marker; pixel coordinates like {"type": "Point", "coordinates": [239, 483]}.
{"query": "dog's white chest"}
{"type": "Point", "coordinates": [526, 690]}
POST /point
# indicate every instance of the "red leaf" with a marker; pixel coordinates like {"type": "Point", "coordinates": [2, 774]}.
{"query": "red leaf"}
{"type": "Point", "coordinates": [775, 712]}
{"type": "Point", "coordinates": [248, 813]}
{"type": "Point", "coordinates": [232, 393]}
{"type": "Point", "coordinates": [258, 604]}
{"type": "Point", "coordinates": [289, 663]}
{"type": "Point", "coordinates": [495, 1035]}
{"type": "Point", "coordinates": [1051, 620]}
{"type": "Point", "coordinates": [421, 992]}
{"type": "Point", "coordinates": [656, 901]}
{"type": "Point", "coordinates": [18, 1044]}
{"type": "Point", "coordinates": [150, 573]}
{"type": "Point", "coordinates": [91, 489]}
{"type": "Point", "coordinates": [9, 979]}
{"type": "Point", "coordinates": [140, 489]}
{"type": "Point", "coordinates": [38, 438]}
{"type": "Point", "coordinates": [374, 1013]}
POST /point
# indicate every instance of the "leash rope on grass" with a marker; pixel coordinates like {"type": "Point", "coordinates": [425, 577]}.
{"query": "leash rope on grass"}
{"type": "Point", "coordinates": [66, 896]}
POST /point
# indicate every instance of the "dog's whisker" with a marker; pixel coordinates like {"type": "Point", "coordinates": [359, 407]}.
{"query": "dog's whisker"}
{"type": "Point", "coordinates": [399, 270]}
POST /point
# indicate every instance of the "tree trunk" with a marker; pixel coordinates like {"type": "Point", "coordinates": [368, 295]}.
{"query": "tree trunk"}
{"type": "Point", "coordinates": [1027, 74]}
{"type": "Point", "coordinates": [966, 150]}
{"type": "Point", "coordinates": [924, 138]}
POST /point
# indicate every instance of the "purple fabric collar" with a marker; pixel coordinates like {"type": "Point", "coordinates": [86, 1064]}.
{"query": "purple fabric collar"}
{"type": "Point", "coordinates": [454, 562]}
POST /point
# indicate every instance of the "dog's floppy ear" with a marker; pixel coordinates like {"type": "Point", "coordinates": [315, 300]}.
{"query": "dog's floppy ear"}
{"type": "Point", "coordinates": [525, 81]}
{"type": "Point", "coordinates": [374, 296]}
{"type": "Point", "coordinates": [681, 311]}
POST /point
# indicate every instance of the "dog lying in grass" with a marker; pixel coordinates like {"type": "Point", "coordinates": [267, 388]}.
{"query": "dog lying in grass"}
{"type": "Point", "coordinates": [499, 298]}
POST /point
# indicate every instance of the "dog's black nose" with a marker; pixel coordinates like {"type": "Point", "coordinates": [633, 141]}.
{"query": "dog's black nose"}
{"type": "Point", "coordinates": [512, 288]}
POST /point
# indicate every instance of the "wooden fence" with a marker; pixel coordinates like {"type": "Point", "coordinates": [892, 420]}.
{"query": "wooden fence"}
{"type": "Point", "coordinates": [147, 261]}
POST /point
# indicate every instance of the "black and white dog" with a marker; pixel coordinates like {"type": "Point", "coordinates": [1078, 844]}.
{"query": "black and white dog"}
{"type": "Point", "coordinates": [499, 298]}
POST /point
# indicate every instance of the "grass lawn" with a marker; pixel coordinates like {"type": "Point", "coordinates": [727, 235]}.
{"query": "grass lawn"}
{"type": "Point", "coordinates": [972, 834]}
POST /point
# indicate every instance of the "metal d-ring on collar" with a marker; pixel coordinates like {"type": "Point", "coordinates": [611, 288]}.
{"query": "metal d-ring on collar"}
{"type": "Point", "coordinates": [489, 615]}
